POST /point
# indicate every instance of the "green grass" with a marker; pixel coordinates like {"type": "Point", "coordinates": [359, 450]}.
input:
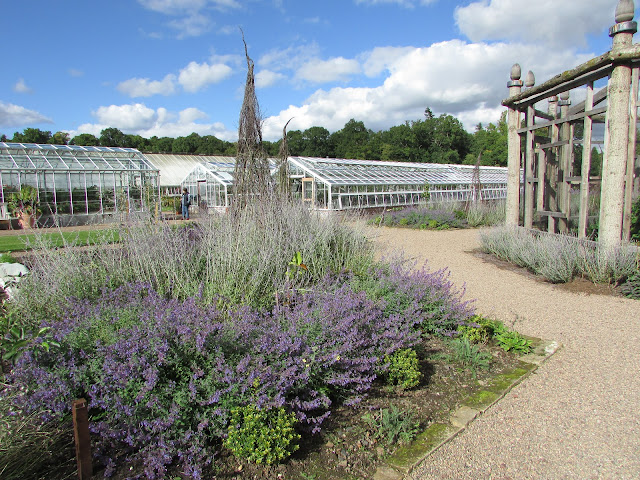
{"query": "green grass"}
{"type": "Point", "coordinates": [28, 241]}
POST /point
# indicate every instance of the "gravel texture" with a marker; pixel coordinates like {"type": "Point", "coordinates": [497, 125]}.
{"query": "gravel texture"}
{"type": "Point", "coordinates": [578, 416]}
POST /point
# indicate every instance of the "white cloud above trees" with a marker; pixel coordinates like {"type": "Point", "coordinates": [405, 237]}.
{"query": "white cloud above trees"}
{"type": "Point", "coordinates": [141, 120]}
{"type": "Point", "coordinates": [542, 21]}
{"type": "Point", "coordinates": [13, 116]}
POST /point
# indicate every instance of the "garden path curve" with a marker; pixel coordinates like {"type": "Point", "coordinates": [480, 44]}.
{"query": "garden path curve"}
{"type": "Point", "coordinates": [578, 415]}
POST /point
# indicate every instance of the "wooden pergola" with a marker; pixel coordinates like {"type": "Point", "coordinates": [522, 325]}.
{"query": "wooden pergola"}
{"type": "Point", "coordinates": [542, 151]}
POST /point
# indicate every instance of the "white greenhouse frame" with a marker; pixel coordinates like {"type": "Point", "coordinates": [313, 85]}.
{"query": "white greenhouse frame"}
{"type": "Point", "coordinates": [339, 184]}
{"type": "Point", "coordinates": [78, 184]}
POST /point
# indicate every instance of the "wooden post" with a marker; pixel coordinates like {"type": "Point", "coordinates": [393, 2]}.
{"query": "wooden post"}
{"type": "Point", "coordinates": [530, 81]}
{"type": "Point", "coordinates": [552, 169]}
{"type": "Point", "coordinates": [564, 167]}
{"type": "Point", "coordinates": [583, 219]}
{"type": "Point", "coordinates": [616, 155]}
{"type": "Point", "coordinates": [631, 158]}
{"type": "Point", "coordinates": [83, 441]}
{"type": "Point", "coordinates": [513, 161]}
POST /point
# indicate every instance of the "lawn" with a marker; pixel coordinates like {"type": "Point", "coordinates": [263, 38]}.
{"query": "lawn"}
{"type": "Point", "coordinates": [28, 241]}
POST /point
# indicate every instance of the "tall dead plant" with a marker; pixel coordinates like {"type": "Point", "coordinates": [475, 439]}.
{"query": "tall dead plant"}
{"type": "Point", "coordinates": [252, 178]}
{"type": "Point", "coordinates": [284, 186]}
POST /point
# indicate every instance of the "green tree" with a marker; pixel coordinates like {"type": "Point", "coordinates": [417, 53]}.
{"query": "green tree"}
{"type": "Point", "coordinates": [296, 143]}
{"type": "Point", "coordinates": [316, 142]}
{"type": "Point", "coordinates": [188, 144]}
{"type": "Point", "coordinates": [352, 141]}
{"type": "Point", "coordinates": [32, 135]}
{"type": "Point", "coordinates": [85, 139]}
{"type": "Point", "coordinates": [59, 138]}
{"type": "Point", "coordinates": [160, 145]}
{"type": "Point", "coordinates": [112, 137]}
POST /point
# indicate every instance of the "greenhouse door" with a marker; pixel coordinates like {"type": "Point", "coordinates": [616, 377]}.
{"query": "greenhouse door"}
{"type": "Point", "coordinates": [308, 190]}
{"type": "Point", "coordinates": [202, 202]}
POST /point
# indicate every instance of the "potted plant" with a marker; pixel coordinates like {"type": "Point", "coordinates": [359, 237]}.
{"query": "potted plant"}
{"type": "Point", "coordinates": [24, 205]}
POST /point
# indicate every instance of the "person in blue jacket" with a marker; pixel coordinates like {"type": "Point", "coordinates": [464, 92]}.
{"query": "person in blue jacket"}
{"type": "Point", "coordinates": [186, 203]}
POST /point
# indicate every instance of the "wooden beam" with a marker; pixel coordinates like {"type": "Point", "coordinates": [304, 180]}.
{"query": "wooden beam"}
{"type": "Point", "coordinates": [570, 118]}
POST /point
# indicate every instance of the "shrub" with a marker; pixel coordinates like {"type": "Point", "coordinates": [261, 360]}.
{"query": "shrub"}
{"type": "Point", "coordinates": [243, 259]}
{"type": "Point", "coordinates": [631, 287]}
{"type": "Point", "coordinates": [559, 258]}
{"type": "Point", "coordinates": [262, 436]}
{"type": "Point", "coordinates": [162, 376]}
{"type": "Point", "coordinates": [403, 369]}
{"type": "Point", "coordinates": [427, 296]}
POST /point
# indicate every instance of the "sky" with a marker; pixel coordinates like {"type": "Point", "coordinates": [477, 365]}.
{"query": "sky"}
{"type": "Point", "coordinates": [173, 67]}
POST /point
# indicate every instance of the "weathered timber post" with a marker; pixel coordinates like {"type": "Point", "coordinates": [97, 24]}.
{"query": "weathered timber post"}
{"type": "Point", "coordinates": [552, 169]}
{"type": "Point", "coordinates": [631, 159]}
{"type": "Point", "coordinates": [586, 165]}
{"type": "Point", "coordinates": [513, 161]}
{"type": "Point", "coordinates": [530, 81]}
{"type": "Point", "coordinates": [564, 167]}
{"type": "Point", "coordinates": [80, 416]}
{"type": "Point", "coordinates": [617, 127]}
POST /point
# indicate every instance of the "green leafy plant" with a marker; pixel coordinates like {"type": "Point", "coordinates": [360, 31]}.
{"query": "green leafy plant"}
{"type": "Point", "coordinates": [262, 436]}
{"type": "Point", "coordinates": [511, 341]}
{"type": "Point", "coordinates": [403, 368]}
{"type": "Point", "coordinates": [631, 287]}
{"type": "Point", "coordinates": [392, 425]}
{"type": "Point", "coordinates": [25, 201]}
{"type": "Point", "coordinates": [475, 335]}
{"type": "Point", "coordinates": [469, 355]}
{"type": "Point", "coordinates": [296, 265]}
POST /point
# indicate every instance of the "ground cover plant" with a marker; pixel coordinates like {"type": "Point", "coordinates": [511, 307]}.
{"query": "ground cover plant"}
{"type": "Point", "coordinates": [442, 216]}
{"type": "Point", "coordinates": [198, 351]}
{"type": "Point", "coordinates": [560, 258]}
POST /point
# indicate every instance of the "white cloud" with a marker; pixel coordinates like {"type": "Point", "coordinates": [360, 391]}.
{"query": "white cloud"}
{"type": "Point", "coordinates": [402, 3]}
{"type": "Point", "coordinates": [190, 115]}
{"type": "Point", "coordinates": [74, 72]}
{"type": "Point", "coordinates": [137, 119]}
{"type": "Point", "coordinates": [196, 76]}
{"type": "Point", "coordinates": [143, 87]}
{"type": "Point", "coordinates": [176, 7]}
{"type": "Point", "coordinates": [21, 87]}
{"type": "Point", "coordinates": [462, 79]}
{"type": "Point", "coordinates": [541, 21]}
{"type": "Point", "coordinates": [16, 116]}
{"type": "Point", "coordinates": [324, 71]}
{"type": "Point", "coordinates": [192, 25]}
{"type": "Point", "coordinates": [291, 58]}
{"type": "Point", "coordinates": [267, 78]}
{"type": "Point", "coordinates": [380, 59]}
{"type": "Point", "coordinates": [192, 15]}
{"type": "Point", "coordinates": [127, 117]}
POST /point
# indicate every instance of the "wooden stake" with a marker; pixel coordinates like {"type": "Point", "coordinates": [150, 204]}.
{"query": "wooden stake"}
{"type": "Point", "coordinates": [83, 441]}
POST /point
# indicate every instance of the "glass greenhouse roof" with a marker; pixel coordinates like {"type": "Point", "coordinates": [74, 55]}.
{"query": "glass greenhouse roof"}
{"type": "Point", "coordinates": [222, 168]}
{"type": "Point", "coordinates": [367, 172]}
{"type": "Point", "coordinates": [31, 156]}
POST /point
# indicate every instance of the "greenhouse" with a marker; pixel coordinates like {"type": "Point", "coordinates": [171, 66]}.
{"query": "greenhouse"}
{"type": "Point", "coordinates": [338, 184]}
{"type": "Point", "coordinates": [74, 184]}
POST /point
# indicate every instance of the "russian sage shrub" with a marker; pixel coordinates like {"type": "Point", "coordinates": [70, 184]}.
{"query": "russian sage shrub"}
{"type": "Point", "coordinates": [427, 296]}
{"type": "Point", "coordinates": [162, 376]}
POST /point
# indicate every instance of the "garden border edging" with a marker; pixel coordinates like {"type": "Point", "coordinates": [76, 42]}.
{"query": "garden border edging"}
{"type": "Point", "coordinates": [403, 461]}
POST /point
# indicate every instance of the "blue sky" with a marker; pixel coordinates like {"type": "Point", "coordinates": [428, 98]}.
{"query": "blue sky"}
{"type": "Point", "coordinates": [172, 67]}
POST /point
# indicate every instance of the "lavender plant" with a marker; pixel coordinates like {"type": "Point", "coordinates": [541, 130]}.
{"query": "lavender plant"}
{"type": "Point", "coordinates": [161, 376]}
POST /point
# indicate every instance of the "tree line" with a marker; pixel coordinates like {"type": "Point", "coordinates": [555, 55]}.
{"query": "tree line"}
{"type": "Point", "coordinates": [433, 139]}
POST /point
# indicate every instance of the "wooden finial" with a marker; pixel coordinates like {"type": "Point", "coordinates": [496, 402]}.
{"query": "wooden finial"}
{"type": "Point", "coordinates": [530, 79]}
{"type": "Point", "coordinates": [516, 72]}
{"type": "Point", "coordinates": [624, 11]}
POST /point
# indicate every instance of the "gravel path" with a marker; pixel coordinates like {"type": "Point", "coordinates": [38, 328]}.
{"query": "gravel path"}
{"type": "Point", "coordinates": [578, 416]}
